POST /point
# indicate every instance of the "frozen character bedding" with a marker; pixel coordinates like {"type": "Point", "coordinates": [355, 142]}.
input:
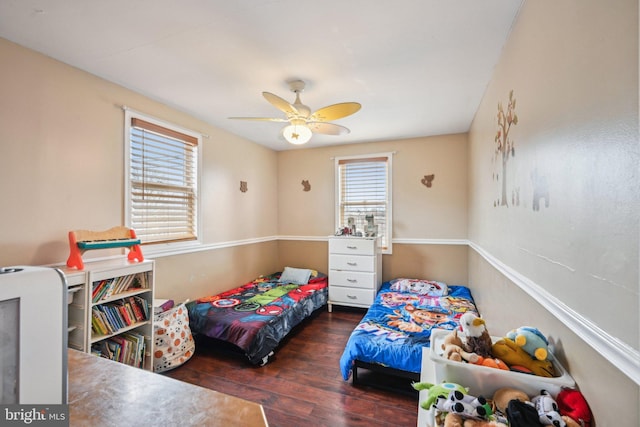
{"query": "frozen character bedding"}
{"type": "Point", "coordinates": [399, 323]}
{"type": "Point", "coordinates": [256, 317]}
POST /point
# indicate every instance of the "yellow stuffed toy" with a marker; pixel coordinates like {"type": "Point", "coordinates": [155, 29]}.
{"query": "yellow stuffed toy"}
{"type": "Point", "coordinates": [518, 359]}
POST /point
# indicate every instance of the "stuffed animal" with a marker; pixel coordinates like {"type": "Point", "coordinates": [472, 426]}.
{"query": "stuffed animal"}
{"type": "Point", "coordinates": [453, 420]}
{"type": "Point", "coordinates": [477, 338]}
{"type": "Point", "coordinates": [573, 405]}
{"type": "Point", "coordinates": [482, 423]}
{"type": "Point", "coordinates": [531, 340]}
{"type": "Point", "coordinates": [519, 360]}
{"type": "Point", "coordinates": [437, 390]}
{"type": "Point", "coordinates": [570, 422]}
{"type": "Point", "coordinates": [504, 395]}
{"type": "Point", "coordinates": [547, 410]}
{"type": "Point", "coordinates": [453, 349]}
{"type": "Point", "coordinates": [492, 362]}
{"type": "Point", "coordinates": [463, 404]}
{"type": "Point", "coordinates": [457, 354]}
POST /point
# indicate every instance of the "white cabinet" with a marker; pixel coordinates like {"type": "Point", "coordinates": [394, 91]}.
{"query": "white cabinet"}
{"type": "Point", "coordinates": [355, 271]}
{"type": "Point", "coordinates": [111, 314]}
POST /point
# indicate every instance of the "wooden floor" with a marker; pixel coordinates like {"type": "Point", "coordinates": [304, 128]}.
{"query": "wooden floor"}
{"type": "Point", "coordinates": [302, 385]}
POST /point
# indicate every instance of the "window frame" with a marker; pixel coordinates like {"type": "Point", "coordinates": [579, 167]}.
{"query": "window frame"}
{"type": "Point", "coordinates": [388, 229]}
{"type": "Point", "coordinates": [167, 245]}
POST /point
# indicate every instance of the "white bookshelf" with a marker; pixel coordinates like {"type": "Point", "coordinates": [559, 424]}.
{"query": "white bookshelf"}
{"type": "Point", "coordinates": [126, 313]}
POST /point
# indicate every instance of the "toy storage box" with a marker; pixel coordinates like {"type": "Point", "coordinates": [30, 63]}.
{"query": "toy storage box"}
{"type": "Point", "coordinates": [482, 380]}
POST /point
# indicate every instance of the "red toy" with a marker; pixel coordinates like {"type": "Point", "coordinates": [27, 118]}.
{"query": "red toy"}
{"type": "Point", "coordinates": [571, 403]}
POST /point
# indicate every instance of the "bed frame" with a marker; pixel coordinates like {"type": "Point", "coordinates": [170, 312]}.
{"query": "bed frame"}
{"type": "Point", "coordinates": [399, 380]}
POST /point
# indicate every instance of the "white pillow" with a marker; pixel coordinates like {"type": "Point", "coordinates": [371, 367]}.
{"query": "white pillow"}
{"type": "Point", "coordinates": [421, 287]}
{"type": "Point", "coordinates": [299, 276]}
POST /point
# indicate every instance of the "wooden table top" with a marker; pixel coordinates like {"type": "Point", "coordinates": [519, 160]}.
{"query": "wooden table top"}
{"type": "Point", "coordinates": [107, 393]}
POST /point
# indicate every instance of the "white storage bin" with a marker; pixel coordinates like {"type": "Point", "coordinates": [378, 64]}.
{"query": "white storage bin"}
{"type": "Point", "coordinates": [482, 380]}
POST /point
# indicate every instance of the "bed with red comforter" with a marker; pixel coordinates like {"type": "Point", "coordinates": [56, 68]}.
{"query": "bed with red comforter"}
{"type": "Point", "coordinates": [255, 317]}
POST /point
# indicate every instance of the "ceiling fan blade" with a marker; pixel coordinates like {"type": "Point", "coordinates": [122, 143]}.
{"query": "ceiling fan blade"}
{"type": "Point", "coordinates": [328, 128]}
{"type": "Point", "coordinates": [262, 119]}
{"type": "Point", "coordinates": [280, 103]}
{"type": "Point", "coordinates": [335, 111]}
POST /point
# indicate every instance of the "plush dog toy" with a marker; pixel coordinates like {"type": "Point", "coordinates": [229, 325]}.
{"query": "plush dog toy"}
{"type": "Point", "coordinates": [548, 410]}
{"type": "Point", "coordinates": [453, 349]}
{"type": "Point", "coordinates": [531, 340]}
{"type": "Point", "coordinates": [504, 395]}
{"type": "Point", "coordinates": [519, 360]}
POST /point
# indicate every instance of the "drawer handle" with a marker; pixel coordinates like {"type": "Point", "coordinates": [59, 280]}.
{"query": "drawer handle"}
{"type": "Point", "coordinates": [353, 264]}
{"type": "Point", "coordinates": [352, 297]}
{"type": "Point", "coordinates": [352, 247]}
{"type": "Point", "coordinates": [352, 280]}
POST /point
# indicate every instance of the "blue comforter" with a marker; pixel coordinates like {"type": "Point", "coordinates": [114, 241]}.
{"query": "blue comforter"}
{"type": "Point", "coordinates": [398, 325]}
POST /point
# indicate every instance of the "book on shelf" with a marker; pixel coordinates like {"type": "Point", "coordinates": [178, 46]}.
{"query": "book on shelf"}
{"type": "Point", "coordinates": [105, 289]}
{"type": "Point", "coordinates": [137, 310]}
{"type": "Point", "coordinates": [143, 305]}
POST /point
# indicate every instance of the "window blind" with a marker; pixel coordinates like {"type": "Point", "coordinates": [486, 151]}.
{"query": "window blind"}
{"type": "Point", "coordinates": [363, 191]}
{"type": "Point", "coordinates": [163, 177]}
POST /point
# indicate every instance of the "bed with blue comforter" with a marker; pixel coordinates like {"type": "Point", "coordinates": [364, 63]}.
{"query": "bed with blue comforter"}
{"type": "Point", "coordinates": [399, 323]}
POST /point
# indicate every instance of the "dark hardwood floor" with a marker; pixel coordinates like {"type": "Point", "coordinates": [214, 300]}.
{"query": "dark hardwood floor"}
{"type": "Point", "coordinates": [302, 385]}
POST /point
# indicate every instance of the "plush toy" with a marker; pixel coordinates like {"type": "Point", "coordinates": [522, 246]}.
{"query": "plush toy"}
{"type": "Point", "coordinates": [519, 360]}
{"type": "Point", "coordinates": [548, 410]}
{"type": "Point", "coordinates": [531, 340]}
{"type": "Point", "coordinates": [457, 354]}
{"type": "Point", "coordinates": [570, 422]}
{"type": "Point", "coordinates": [463, 404]}
{"type": "Point", "coordinates": [504, 395]}
{"type": "Point", "coordinates": [454, 349]}
{"type": "Point", "coordinates": [437, 390]}
{"type": "Point", "coordinates": [477, 338]}
{"type": "Point", "coordinates": [573, 405]}
{"type": "Point", "coordinates": [492, 362]}
{"type": "Point", "coordinates": [453, 420]}
{"type": "Point", "coordinates": [482, 423]}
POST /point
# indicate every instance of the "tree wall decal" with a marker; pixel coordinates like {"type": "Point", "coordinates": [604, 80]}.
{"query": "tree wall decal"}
{"type": "Point", "coordinates": [505, 145]}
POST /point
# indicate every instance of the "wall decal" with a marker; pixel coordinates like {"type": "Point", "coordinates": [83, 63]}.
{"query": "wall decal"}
{"type": "Point", "coordinates": [305, 185]}
{"type": "Point", "coordinates": [427, 180]}
{"type": "Point", "coordinates": [504, 145]}
{"type": "Point", "coordinates": [540, 190]}
{"type": "Point", "coordinates": [243, 186]}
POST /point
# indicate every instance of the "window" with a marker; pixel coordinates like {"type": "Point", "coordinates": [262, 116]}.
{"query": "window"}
{"type": "Point", "coordinates": [363, 191]}
{"type": "Point", "coordinates": [162, 180]}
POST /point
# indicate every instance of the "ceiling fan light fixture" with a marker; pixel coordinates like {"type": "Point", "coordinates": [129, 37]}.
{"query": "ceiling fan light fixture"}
{"type": "Point", "coordinates": [297, 134]}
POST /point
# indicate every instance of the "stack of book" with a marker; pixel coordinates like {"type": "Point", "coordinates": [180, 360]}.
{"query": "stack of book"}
{"type": "Point", "coordinates": [104, 289]}
{"type": "Point", "coordinates": [126, 348]}
{"type": "Point", "coordinates": [107, 319]}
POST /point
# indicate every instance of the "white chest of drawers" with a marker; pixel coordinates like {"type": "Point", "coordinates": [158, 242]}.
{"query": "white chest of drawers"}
{"type": "Point", "coordinates": [355, 271]}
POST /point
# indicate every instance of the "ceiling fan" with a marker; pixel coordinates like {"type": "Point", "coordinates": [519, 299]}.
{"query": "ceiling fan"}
{"type": "Point", "coordinates": [302, 122]}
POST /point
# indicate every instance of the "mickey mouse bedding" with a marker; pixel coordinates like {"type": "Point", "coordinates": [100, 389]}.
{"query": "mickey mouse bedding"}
{"type": "Point", "coordinates": [399, 323]}
{"type": "Point", "coordinates": [255, 317]}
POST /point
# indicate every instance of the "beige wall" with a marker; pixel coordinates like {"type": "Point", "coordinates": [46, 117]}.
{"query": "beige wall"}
{"type": "Point", "coordinates": [419, 212]}
{"type": "Point", "coordinates": [437, 213]}
{"type": "Point", "coordinates": [576, 87]}
{"type": "Point", "coordinates": [62, 168]}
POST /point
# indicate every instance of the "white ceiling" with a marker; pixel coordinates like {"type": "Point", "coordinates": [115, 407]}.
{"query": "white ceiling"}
{"type": "Point", "coordinates": [418, 67]}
